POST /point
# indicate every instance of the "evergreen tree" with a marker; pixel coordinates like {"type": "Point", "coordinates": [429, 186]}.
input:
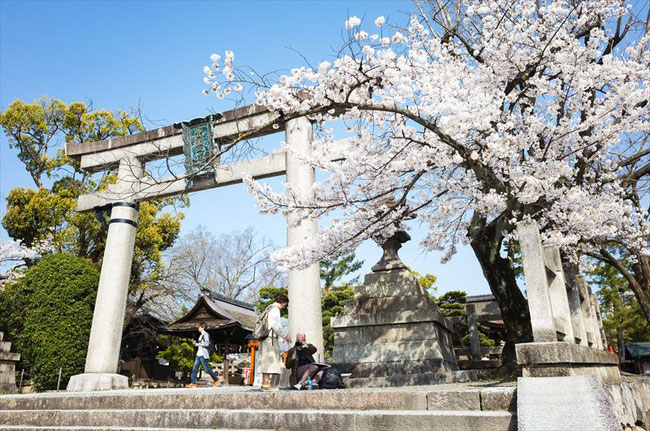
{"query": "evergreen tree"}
{"type": "Point", "coordinates": [621, 313]}
{"type": "Point", "coordinates": [452, 304]}
{"type": "Point", "coordinates": [332, 271]}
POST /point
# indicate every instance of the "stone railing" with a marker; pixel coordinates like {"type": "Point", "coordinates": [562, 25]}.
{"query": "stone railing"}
{"type": "Point", "coordinates": [565, 318]}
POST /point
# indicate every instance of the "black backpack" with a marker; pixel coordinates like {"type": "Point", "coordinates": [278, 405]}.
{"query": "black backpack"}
{"type": "Point", "coordinates": [212, 348]}
{"type": "Point", "coordinates": [331, 379]}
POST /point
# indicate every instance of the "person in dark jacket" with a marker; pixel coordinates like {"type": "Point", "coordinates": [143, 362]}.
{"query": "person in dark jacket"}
{"type": "Point", "coordinates": [300, 359]}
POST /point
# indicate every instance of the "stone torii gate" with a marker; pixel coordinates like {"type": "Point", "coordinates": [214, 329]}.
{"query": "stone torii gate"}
{"type": "Point", "coordinates": [129, 154]}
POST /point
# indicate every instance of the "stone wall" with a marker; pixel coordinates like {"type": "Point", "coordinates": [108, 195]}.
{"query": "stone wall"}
{"type": "Point", "coordinates": [7, 366]}
{"type": "Point", "coordinates": [631, 402]}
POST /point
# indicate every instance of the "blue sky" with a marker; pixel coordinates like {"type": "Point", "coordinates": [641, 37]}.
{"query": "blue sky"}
{"type": "Point", "coordinates": [121, 54]}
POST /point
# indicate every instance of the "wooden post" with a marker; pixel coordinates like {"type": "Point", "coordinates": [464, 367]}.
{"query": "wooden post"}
{"type": "Point", "coordinates": [226, 363]}
{"type": "Point", "coordinates": [251, 374]}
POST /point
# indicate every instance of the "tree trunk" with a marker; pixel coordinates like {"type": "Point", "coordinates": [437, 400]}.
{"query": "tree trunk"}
{"type": "Point", "coordinates": [486, 241]}
{"type": "Point", "coordinates": [641, 288]}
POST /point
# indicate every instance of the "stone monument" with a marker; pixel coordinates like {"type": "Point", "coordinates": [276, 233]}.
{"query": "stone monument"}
{"type": "Point", "coordinates": [7, 366]}
{"type": "Point", "coordinates": [392, 333]}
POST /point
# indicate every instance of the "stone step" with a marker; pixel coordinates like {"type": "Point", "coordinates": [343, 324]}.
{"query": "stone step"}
{"type": "Point", "coordinates": [471, 364]}
{"type": "Point", "coordinates": [109, 428]}
{"type": "Point", "coordinates": [5, 346]}
{"type": "Point", "coordinates": [9, 356]}
{"type": "Point", "coordinates": [421, 398]}
{"type": "Point", "coordinates": [303, 420]}
{"type": "Point", "coordinates": [382, 369]}
{"type": "Point", "coordinates": [400, 380]}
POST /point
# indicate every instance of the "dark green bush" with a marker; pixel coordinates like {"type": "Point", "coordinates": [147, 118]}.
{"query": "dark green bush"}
{"type": "Point", "coordinates": [180, 353]}
{"type": "Point", "coordinates": [49, 314]}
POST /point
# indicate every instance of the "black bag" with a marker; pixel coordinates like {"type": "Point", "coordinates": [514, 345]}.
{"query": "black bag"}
{"type": "Point", "coordinates": [212, 348]}
{"type": "Point", "coordinates": [331, 379]}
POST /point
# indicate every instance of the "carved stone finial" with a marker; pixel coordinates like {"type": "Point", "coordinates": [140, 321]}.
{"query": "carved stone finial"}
{"type": "Point", "coordinates": [390, 260]}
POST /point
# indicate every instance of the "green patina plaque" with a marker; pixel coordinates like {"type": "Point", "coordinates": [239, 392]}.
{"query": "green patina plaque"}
{"type": "Point", "coordinates": [198, 147]}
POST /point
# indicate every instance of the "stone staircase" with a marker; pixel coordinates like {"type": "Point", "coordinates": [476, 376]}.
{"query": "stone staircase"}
{"type": "Point", "coordinates": [434, 408]}
{"type": "Point", "coordinates": [7, 366]}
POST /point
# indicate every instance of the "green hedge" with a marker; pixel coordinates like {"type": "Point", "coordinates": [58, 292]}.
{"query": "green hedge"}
{"type": "Point", "coordinates": [49, 314]}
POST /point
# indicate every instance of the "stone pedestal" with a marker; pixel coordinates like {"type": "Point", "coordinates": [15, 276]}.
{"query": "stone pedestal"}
{"type": "Point", "coordinates": [7, 367]}
{"type": "Point", "coordinates": [392, 334]}
{"type": "Point", "coordinates": [89, 382]}
{"type": "Point", "coordinates": [566, 359]}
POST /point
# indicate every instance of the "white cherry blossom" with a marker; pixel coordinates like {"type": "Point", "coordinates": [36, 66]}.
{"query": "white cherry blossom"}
{"type": "Point", "coordinates": [518, 117]}
{"type": "Point", "coordinates": [352, 22]}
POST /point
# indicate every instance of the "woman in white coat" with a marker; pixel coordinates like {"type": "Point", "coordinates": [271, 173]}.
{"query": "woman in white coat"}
{"type": "Point", "coordinates": [270, 347]}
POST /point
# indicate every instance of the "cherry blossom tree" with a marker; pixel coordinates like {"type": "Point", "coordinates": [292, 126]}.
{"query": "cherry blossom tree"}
{"type": "Point", "coordinates": [15, 254]}
{"type": "Point", "coordinates": [476, 115]}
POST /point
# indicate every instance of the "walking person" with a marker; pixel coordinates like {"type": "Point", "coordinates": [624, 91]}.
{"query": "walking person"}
{"type": "Point", "coordinates": [300, 359]}
{"type": "Point", "coordinates": [202, 357]}
{"type": "Point", "coordinates": [269, 347]}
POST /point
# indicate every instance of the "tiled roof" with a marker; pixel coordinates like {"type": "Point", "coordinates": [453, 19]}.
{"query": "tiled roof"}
{"type": "Point", "coordinates": [638, 350]}
{"type": "Point", "coordinates": [221, 310]}
{"type": "Point", "coordinates": [481, 298]}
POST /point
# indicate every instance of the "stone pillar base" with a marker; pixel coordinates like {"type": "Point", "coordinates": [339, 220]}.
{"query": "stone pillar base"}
{"type": "Point", "coordinates": [8, 388]}
{"type": "Point", "coordinates": [89, 382]}
{"type": "Point", "coordinates": [558, 359]}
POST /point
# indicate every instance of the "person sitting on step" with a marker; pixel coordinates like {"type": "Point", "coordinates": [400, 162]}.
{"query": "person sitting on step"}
{"type": "Point", "coordinates": [300, 359]}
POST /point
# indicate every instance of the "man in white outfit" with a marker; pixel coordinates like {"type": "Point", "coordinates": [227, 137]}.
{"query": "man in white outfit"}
{"type": "Point", "coordinates": [269, 348]}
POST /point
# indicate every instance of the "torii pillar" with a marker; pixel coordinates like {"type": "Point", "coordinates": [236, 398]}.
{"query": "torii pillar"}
{"type": "Point", "coordinates": [103, 355]}
{"type": "Point", "coordinates": [304, 284]}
